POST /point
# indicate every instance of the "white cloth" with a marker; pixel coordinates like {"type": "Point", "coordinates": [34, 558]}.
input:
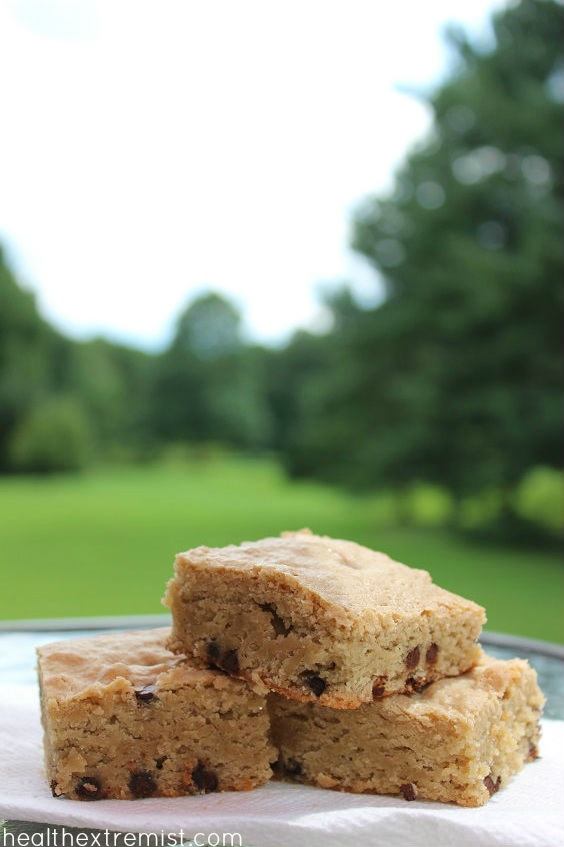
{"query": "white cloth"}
{"type": "Point", "coordinates": [528, 813]}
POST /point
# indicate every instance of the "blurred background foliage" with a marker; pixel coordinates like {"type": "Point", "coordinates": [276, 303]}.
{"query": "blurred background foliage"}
{"type": "Point", "coordinates": [441, 404]}
{"type": "Point", "coordinates": [456, 379]}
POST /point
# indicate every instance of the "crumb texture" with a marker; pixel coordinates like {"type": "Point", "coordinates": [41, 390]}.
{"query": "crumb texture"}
{"type": "Point", "coordinates": [459, 741]}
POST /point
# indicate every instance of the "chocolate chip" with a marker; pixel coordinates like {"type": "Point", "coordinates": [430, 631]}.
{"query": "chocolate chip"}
{"type": "Point", "coordinates": [216, 669]}
{"type": "Point", "coordinates": [280, 628]}
{"type": "Point", "coordinates": [88, 788]}
{"type": "Point", "coordinates": [204, 779]}
{"type": "Point", "coordinates": [226, 660]}
{"type": "Point", "coordinates": [54, 785]}
{"type": "Point", "coordinates": [533, 752]}
{"type": "Point", "coordinates": [145, 695]}
{"type": "Point", "coordinates": [160, 762]}
{"type": "Point", "coordinates": [214, 651]}
{"type": "Point", "coordinates": [415, 684]}
{"type": "Point", "coordinates": [293, 767]}
{"type": "Point", "coordinates": [412, 659]}
{"type": "Point", "coordinates": [230, 661]}
{"type": "Point", "coordinates": [142, 784]}
{"type": "Point", "coordinates": [378, 691]}
{"type": "Point", "coordinates": [431, 654]}
{"type": "Point", "coordinates": [314, 681]}
{"type": "Point", "coordinates": [491, 785]}
{"type": "Point", "coordinates": [409, 791]}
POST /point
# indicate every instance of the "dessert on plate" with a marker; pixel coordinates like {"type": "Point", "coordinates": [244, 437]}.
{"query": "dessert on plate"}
{"type": "Point", "coordinates": [343, 668]}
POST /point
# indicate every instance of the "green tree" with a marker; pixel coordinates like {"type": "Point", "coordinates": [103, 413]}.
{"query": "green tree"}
{"type": "Point", "coordinates": [209, 328]}
{"type": "Point", "coordinates": [292, 374]}
{"type": "Point", "coordinates": [53, 436]}
{"type": "Point", "coordinates": [113, 384]}
{"type": "Point", "coordinates": [110, 383]}
{"type": "Point", "coordinates": [26, 362]}
{"type": "Point", "coordinates": [209, 384]}
{"type": "Point", "coordinates": [456, 378]}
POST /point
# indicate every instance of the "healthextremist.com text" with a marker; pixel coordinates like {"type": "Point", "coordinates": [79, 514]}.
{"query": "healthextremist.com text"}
{"type": "Point", "coordinates": [61, 837]}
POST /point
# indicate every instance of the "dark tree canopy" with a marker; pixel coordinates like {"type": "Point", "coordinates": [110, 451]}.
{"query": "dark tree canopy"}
{"type": "Point", "coordinates": [209, 385]}
{"type": "Point", "coordinates": [208, 328]}
{"type": "Point", "coordinates": [456, 378]}
{"type": "Point", "coordinates": [50, 386]}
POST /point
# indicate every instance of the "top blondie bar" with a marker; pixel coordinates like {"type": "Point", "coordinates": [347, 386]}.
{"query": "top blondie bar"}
{"type": "Point", "coordinates": [319, 619]}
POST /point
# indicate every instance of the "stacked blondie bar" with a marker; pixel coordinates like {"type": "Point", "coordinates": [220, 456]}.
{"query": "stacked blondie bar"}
{"type": "Point", "coordinates": [313, 658]}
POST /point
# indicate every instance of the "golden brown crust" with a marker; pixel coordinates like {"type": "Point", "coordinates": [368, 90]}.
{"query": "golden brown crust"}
{"type": "Point", "coordinates": [85, 667]}
{"type": "Point", "coordinates": [319, 619]}
{"type": "Point", "coordinates": [359, 585]}
{"type": "Point", "coordinates": [465, 802]}
{"type": "Point", "coordinates": [332, 701]}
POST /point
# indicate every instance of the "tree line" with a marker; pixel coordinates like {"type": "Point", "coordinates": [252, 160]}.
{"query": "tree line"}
{"type": "Point", "coordinates": [453, 381]}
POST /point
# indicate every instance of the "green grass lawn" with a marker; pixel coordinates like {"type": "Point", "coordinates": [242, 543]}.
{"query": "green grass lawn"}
{"type": "Point", "coordinates": [103, 543]}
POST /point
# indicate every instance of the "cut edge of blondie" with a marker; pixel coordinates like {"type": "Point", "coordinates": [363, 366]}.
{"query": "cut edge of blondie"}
{"type": "Point", "coordinates": [467, 738]}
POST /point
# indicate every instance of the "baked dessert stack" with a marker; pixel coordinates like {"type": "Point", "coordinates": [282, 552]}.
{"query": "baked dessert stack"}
{"type": "Point", "coordinates": [333, 663]}
{"type": "Point", "coordinates": [379, 684]}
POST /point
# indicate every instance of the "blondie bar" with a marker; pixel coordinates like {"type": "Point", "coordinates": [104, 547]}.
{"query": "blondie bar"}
{"type": "Point", "coordinates": [459, 740]}
{"type": "Point", "coordinates": [319, 619]}
{"type": "Point", "coordinates": [124, 718]}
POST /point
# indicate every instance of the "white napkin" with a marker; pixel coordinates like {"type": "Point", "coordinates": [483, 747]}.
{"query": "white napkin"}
{"type": "Point", "coordinates": [528, 813]}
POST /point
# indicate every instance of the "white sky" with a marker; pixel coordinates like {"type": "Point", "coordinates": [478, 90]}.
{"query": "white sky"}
{"type": "Point", "coordinates": [149, 149]}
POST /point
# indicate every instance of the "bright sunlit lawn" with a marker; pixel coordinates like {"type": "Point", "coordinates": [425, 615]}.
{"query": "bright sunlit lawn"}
{"type": "Point", "coordinates": [103, 543]}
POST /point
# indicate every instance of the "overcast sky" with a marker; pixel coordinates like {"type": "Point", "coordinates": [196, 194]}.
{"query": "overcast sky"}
{"type": "Point", "coordinates": [152, 149]}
